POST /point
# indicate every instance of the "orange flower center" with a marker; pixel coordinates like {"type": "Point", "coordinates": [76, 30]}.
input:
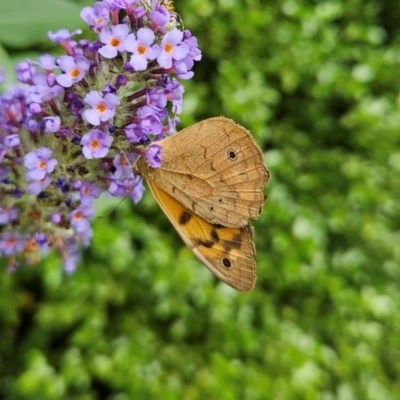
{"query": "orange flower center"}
{"type": "Point", "coordinates": [101, 107]}
{"type": "Point", "coordinates": [74, 73]}
{"type": "Point", "coordinates": [142, 50]}
{"type": "Point", "coordinates": [115, 42]}
{"type": "Point", "coordinates": [168, 48]}
{"type": "Point", "coordinates": [42, 164]}
{"type": "Point", "coordinates": [94, 144]}
{"type": "Point", "coordinates": [78, 215]}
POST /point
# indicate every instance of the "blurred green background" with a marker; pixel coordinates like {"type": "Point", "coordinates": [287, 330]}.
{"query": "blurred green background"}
{"type": "Point", "coordinates": [317, 83]}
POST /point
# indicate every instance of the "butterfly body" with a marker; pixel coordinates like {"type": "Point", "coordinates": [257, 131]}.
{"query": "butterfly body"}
{"type": "Point", "coordinates": [209, 185]}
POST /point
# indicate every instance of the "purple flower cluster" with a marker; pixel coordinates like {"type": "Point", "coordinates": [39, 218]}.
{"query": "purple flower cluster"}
{"type": "Point", "coordinates": [80, 122]}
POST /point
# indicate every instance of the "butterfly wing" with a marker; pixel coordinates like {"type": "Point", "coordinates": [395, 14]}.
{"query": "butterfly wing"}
{"type": "Point", "coordinates": [228, 252]}
{"type": "Point", "coordinates": [215, 169]}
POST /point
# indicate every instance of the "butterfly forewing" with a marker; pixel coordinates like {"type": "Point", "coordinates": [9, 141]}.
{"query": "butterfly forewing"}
{"type": "Point", "coordinates": [215, 169]}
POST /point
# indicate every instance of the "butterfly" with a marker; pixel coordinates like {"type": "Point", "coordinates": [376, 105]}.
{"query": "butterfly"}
{"type": "Point", "coordinates": [209, 185]}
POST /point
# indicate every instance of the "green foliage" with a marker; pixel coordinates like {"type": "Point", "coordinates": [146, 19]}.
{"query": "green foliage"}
{"type": "Point", "coordinates": [317, 83]}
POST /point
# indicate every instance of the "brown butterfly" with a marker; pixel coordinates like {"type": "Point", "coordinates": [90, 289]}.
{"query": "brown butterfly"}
{"type": "Point", "coordinates": [209, 185]}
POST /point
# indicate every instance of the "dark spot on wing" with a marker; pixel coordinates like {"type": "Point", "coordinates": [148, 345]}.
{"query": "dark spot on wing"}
{"type": "Point", "coordinates": [226, 262]}
{"type": "Point", "coordinates": [184, 218]}
{"type": "Point", "coordinates": [214, 235]}
{"type": "Point", "coordinates": [235, 243]}
{"type": "Point", "coordinates": [204, 243]}
{"type": "Point", "coordinates": [232, 155]}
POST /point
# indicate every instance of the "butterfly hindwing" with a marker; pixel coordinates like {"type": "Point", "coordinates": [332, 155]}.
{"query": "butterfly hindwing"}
{"type": "Point", "coordinates": [227, 251]}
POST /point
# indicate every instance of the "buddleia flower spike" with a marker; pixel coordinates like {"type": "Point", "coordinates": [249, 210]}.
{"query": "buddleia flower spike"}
{"type": "Point", "coordinates": [68, 134]}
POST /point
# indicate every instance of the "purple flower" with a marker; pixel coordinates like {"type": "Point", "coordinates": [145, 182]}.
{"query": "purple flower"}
{"type": "Point", "coordinates": [96, 144]}
{"type": "Point", "coordinates": [89, 192]}
{"type": "Point", "coordinates": [41, 91]}
{"type": "Point", "coordinates": [12, 112]}
{"type": "Point", "coordinates": [160, 14]}
{"type": "Point", "coordinates": [113, 40]}
{"type": "Point", "coordinates": [74, 70]}
{"type": "Point", "coordinates": [77, 108]}
{"type": "Point", "coordinates": [25, 71]}
{"type": "Point", "coordinates": [121, 81]}
{"type": "Point", "coordinates": [172, 122]}
{"type": "Point", "coordinates": [96, 17]}
{"type": "Point", "coordinates": [156, 98]}
{"type": "Point", "coordinates": [7, 215]}
{"type": "Point", "coordinates": [153, 155]}
{"type": "Point", "coordinates": [149, 122]}
{"type": "Point", "coordinates": [85, 237]}
{"type": "Point", "coordinates": [2, 76]}
{"type": "Point", "coordinates": [70, 252]}
{"type": "Point", "coordinates": [13, 140]}
{"type": "Point", "coordinates": [136, 189]}
{"type": "Point", "coordinates": [124, 166]}
{"type": "Point", "coordinates": [51, 79]}
{"type": "Point", "coordinates": [31, 124]}
{"type": "Point", "coordinates": [56, 218]}
{"type": "Point", "coordinates": [172, 48]}
{"type": "Point", "coordinates": [134, 133]}
{"type": "Point", "coordinates": [78, 218]}
{"type": "Point", "coordinates": [141, 48]}
{"type": "Point", "coordinates": [35, 108]}
{"type": "Point", "coordinates": [39, 163]}
{"type": "Point", "coordinates": [70, 262]}
{"type": "Point", "coordinates": [88, 189]}
{"type": "Point", "coordinates": [103, 108]}
{"type": "Point", "coordinates": [42, 241]}
{"type": "Point", "coordinates": [175, 92]}
{"type": "Point", "coordinates": [191, 41]}
{"type": "Point", "coordinates": [116, 5]}
{"type": "Point", "coordinates": [11, 243]}
{"type": "Point", "coordinates": [117, 187]}
{"type": "Point", "coordinates": [47, 62]}
{"type": "Point", "coordinates": [51, 124]}
{"type": "Point", "coordinates": [109, 89]}
{"type": "Point", "coordinates": [182, 68]}
{"type": "Point", "coordinates": [63, 35]}
{"type": "Point", "coordinates": [62, 184]}
{"type": "Point", "coordinates": [133, 187]}
{"type": "Point", "coordinates": [37, 186]}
